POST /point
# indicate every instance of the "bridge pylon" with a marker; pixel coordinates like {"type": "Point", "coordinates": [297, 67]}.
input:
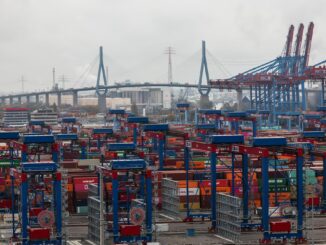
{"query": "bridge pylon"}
{"type": "Point", "coordinates": [101, 90]}
{"type": "Point", "coordinates": [204, 102]}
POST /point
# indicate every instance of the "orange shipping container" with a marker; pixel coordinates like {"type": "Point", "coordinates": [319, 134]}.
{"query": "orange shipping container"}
{"type": "Point", "coordinates": [70, 187]}
{"type": "Point", "coordinates": [280, 196]}
{"type": "Point", "coordinates": [179, 164]}
{"type": "Point", "coordinates": [197, 164]}
{"type": "Point", "coordinates": [256, 202]}
{"type": "Point", "coordinates": [238, 176]}
{"type": "Point", "coordinates": [191, 184]}
{"type": "Point", "coordinates": [108, 186]}
{"type": "Point", "coordinates": [206, 191]}
{"type": "Point", "coordinates": [229, 176]}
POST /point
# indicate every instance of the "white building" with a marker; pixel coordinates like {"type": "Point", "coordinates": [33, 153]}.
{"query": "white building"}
{"type": "Point", "coordinates": [15, 117]}
{"type": "Point", "coordinates": [149, 98]}
{"type": "Point", "coordinates": [47, 115]}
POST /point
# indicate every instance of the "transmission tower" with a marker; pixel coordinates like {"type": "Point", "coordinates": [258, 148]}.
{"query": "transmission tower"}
{"type": "Point", "coordinates": [170, 51]}
{"type": "Point", "coordinates": [23, 83]}
{"type": "Point", "coordinates": [63, 79]}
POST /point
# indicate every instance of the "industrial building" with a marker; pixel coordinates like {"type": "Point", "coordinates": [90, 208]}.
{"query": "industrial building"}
{"type": "Point", "coordinates": [150, 99]}
{"type": "Point", "coordinates": [15, 117]}
{"type": "Point", "coordinates": [48, 116]}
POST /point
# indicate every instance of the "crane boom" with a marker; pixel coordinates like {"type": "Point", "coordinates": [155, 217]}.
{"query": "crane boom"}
{"type": "Point", "coordinates": [308, 44]}
{"type": "Point", "coordinates": [289, 41]}
{"type": "Point", "coordinates": [299, 40]}
{"type": "Point", "coordinates": [297, 50]}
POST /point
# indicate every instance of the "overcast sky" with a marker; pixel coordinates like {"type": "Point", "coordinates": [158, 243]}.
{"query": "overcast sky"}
{"type": "Point", "coordinates": [37, 35]}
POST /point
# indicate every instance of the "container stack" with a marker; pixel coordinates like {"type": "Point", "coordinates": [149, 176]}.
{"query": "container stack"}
{"type": "Point", "coordinates": [81, 192]}
{"type": "Point", "coordinates": [94, 219]}
{"type": "Point", "coordinates": [279, 190]}
{"type": "Point", "coordinates": [229, 216]}
{"type": "Point", "coordinates": [222, 186]}
{"type": "Point", "coordinates": [174, 195]}
{"type": "Point", "coordinates": [311, 190]}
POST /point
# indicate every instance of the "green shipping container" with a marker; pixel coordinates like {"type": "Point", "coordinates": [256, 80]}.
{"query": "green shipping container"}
{"type": "Point", "coordinates": [82, 209]}
{"type": "Point", "coordinates": [306, 173]}
{"type": "Point", "coordinates": [306, 181]}
{"type": "Point", "coordinates": [278, 189]}
{"type": "Point", "coordinates": [279, 182]}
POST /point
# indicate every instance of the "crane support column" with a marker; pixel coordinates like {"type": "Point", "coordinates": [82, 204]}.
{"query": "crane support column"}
{"type": "Point", "coordinates": [115, 186]}
{"type": "Point", "coordinates": [186, 160]}
{"type": "Point", "coordinates": [58, 206]}
{"type": "Point", "coordinates": [213, 160]}
{"type": "Point", "coordinates": [134, 133]}
{"type": "Point", "coordinates": [149, 205]}
{"type": "Point", "coordinates": [324, 184]}
{"type": "Point", "coordinates": [233, 173]}
{"type": "Point", "coordinates": [161, 152]}
{"type": "Point", "coordinates": [245, 187]}
{"type": "Point", "coordinates": [24, 207]}
{"type": "Point", "coordinates": [300, 197]}
{"type": "Point", "coordinates": [265, 199]}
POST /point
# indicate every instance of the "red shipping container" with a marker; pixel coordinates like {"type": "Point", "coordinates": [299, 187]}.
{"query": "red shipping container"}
{"type": "Point", "coordinates": [5, 203]}
{"type": "Point", "coordinates": [81, 188]}
{"type": "Point", "coordinates": [238, 191]}
{"type": "Point", "coordinates": [85, 180]}
{"type": "Point", "coordinates": [36, 234]}
{"type": "Point", "coordinates": [219, 183]}
{"type": "Point", "coordinates": [313, 201]}
{"type": "Point", "coordinates": [124, 197]}
{"type": "Point", "coordinates": [130, 230]}
{"type": "Point", "coordinates": [81, 183]}
{"type": "Point", "coordinates": [35, 211]}
{"type": "Point", "coordinates": [280, 226]}
{"type": "Point", "coordinates": [205, 202]}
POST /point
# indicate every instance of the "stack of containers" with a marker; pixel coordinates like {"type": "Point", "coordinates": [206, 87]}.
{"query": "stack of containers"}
{"type": "Point", "coordinates": [279, 189]}
{"type": "Point", "coordinates": [81, 192]}
{"type": "Point", "coordinates": [238, 191]}
{"type": "Point", "coordinates": [70, 196]}
{"type": "Point", "coordinates": [157, 189]}
{"type": "Point", "coordinates": [193, 164]}
{"type": "Point", "coordinates": [222, 186]}
{"type": "Point", "coordinates": [254, 194]}
{"type": "Point", "coordinates": [174, 195]}
{"type": "Point", "coordinates": [310, 183]}
{"type": "Point", "coordinates": [5, 201]}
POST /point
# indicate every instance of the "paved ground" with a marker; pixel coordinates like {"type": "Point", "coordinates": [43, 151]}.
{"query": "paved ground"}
{"type": "Point", "coordinates": [77, 234]}
{"type": "Point", "coordinates": [177, 233]}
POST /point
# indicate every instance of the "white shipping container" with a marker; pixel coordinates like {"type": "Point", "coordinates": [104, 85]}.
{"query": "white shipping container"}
{"type": "Point", "coordinates": [275, 212]}
{"type": "Point", "coordinates": [161, 228]}
{"type": "Point", "coordinates": [192, 191]}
